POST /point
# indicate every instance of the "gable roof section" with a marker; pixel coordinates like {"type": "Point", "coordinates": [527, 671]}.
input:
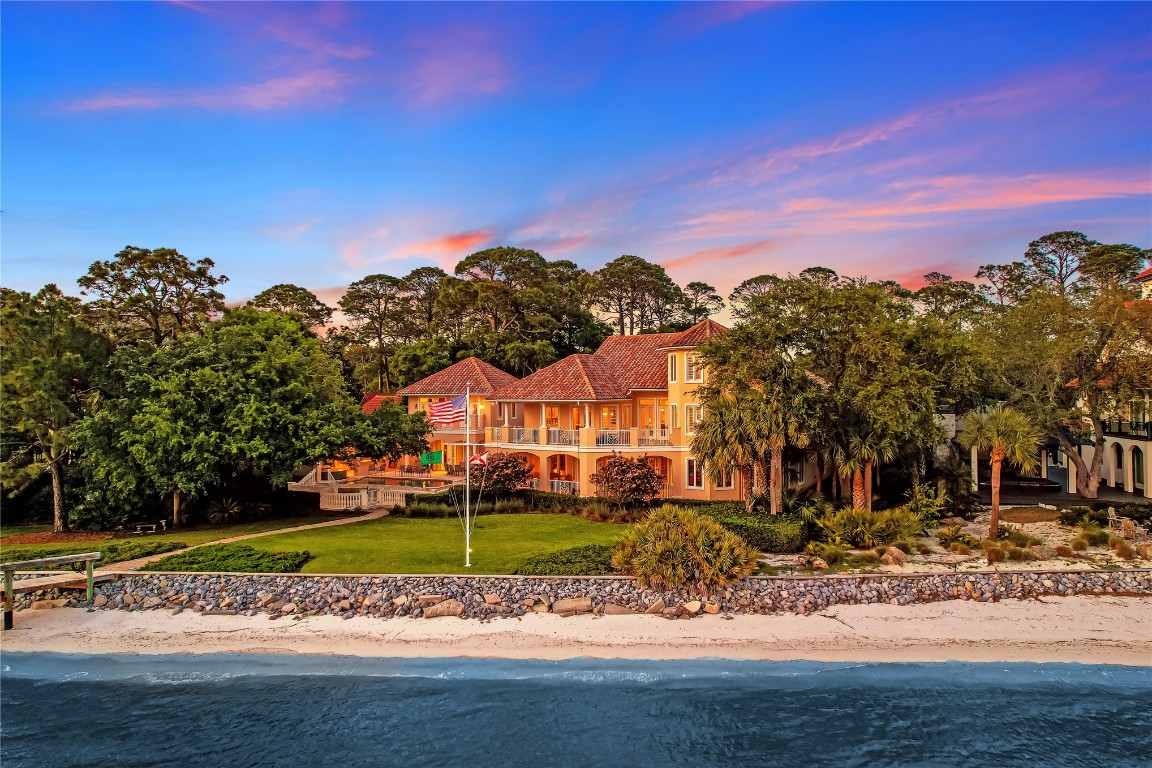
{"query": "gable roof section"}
{"type": "Point", "coordinates": [703, 331]}
{"type": "Point", "coordinates": [455, 380]}
{"type": "Point", "coordinates": [576, 377]}
{"type": "Point", "coordinates": [1143, 276]}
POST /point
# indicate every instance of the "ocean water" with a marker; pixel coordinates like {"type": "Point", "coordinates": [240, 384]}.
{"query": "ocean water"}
{"type": "Point", "coordinates": [231, 710]}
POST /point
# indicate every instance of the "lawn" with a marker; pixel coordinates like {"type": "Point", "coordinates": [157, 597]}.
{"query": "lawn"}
{"type": "Point", "coordinates": [421, 545]}
{"type": "Point", "coordinates": [189, 536]}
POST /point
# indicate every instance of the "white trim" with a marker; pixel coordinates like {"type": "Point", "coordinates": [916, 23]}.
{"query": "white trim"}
{"type": "Point", "coordinates": [688, 473]}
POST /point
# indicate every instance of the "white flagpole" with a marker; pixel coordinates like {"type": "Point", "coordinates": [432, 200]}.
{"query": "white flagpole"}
{"type": "Point", "coordinates": [467, 475]}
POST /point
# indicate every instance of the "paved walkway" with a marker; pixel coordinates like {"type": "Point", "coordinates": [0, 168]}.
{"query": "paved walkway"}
{"type": "Point", "coordinates": [135, 565]}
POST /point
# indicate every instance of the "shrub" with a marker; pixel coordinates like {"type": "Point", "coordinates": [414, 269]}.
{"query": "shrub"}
{"type": "Point", "coordinates": [1016, 553]}
{"type": "Point", "coordinates": [927, 502]}
{"type": "Point", "coordinates": [780, 534]}
{"type": "Point", "coordinates": [923, 548]}
{"type": "Point", "coordinates": [431, 509]}
{"type": "Point", "coordinates": [833, 554]}
{"type": "Point", "coordinates": [503, 474]}
{"type": "Point", "coordinates": [1124, 550]}
{"type": "Point", "coordinates": [1017, 537]}
{"type": "Point", "coordinates": [231, 558]}
{"type": "Point", "coordinates": [590, 560]}
{"type": "Point", "coordinates": [1079, 545]}
{"type": "Point", "coordinates": [861, 528]}
{"type": "Point", "coordinates": [1077, 515]}
{"type": "Point", "coordinates": [1141, 514]}
{"type": "Point", "coordinates": [867, 557]}
{"type": "Point", "coordinates": [962, 549]}
{"type": "Point", "coordinates": [1064, 551]}
{"type": "Point", "coordinates": [954, 534]}
{"type": "Point", "coordinates": [994, 554]}
{"type": "Point", "coordinates": [903, 545]}
{"type": "Point", "coordinates": [674, 547]}
{"type": "Point", "coordinates": [626, 481]}
{"type": "Point", "coordinates": [111, 552]}
{"type": "Point", "coordinates": [509, 506]}
{"type": "Point", "coordinates": [1114, 541]}
{"type": "Point", "coordinates": [1094, 535]}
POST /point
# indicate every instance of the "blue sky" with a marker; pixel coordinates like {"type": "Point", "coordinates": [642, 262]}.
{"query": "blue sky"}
{"type": "Point", "coordinates": [315, 144]}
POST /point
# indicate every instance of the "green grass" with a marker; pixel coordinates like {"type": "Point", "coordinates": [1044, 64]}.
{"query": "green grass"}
{"type": "Point", "coordinates": [189, 536]}
{"type": "Point", "coordinates": [18, 530]}
{"type": "Point", "coordinates": [418, 545]}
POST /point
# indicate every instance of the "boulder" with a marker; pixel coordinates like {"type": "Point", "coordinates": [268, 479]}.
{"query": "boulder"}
{"type": "Point", "coordinates": [613, 609]}
{"type": "Point", "coordinates": [430, 599]}
{"type": "Point", "coordinates": [100, 601]}
{"type": "Point", "coordinates": [42, 605]}
{"type": "Point", "coordinates": [712, 608]}
{"type": "Point", "coordinates": [444, 608]}
{"type": "Point", "coordinates": [819, 564]}
{"type": "Point", "coordinates": [1144, 550]}
{"type": "Point", "coordinates": [572, 606]}
{"type": "Point", "coordinates": [540, 607]}
{"type": "Point", "coordinates": [153, 602]}
{"type": "Point", "coordinates": [672, 612]}
{"type": "Point", "coordinates": [656, 607]}
{"type": "Point", "coordinates": [1040, 552]}
{"type": "Point", "coordinates": [267, 600]}
{"type": "Point", "coordinates": [128, 599]}
{"type": "Point", "coordinates": [175, 609]}
{"type": "Point", "coordinates": [693, 606]}
{"type": "Point", "coordinates": [492, 599]}
{"type": "Point", "coordinates": [343, 605]}
{"type": "Point", "coordinates": [376, 597]}
{"type": "Point", "coordinates": [288, 608]}
{"type": "Point", "coordinates": [896, 555]}
{"type": "Point", "coordinates": [225, 603]}
{"type": "Point", "coordinates": [399, 601]}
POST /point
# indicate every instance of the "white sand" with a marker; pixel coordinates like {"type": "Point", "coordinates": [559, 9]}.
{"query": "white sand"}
{"type": "Point", "coordinates": [1097, 630]}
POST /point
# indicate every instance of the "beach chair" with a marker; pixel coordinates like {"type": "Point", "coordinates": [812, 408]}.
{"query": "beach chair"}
{"type": "Point", "coordinates": [1114, 523]}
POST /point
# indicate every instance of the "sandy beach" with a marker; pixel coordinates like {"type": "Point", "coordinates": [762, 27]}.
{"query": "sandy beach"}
{"type": "Point", "coordinates": [1097, 630]}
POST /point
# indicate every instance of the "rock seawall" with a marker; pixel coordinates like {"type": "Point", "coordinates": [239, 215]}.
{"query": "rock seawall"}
{"type": "Point", "coordinates": [485, 597]}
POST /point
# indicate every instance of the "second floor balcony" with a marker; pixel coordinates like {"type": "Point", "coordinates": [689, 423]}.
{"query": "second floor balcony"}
{"type": "Point", "coordinates": [1137, 430]}
{"type": "Point", "coordinates": [585, 438]}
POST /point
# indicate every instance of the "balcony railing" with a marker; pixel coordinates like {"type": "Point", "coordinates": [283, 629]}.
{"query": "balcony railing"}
{"type": "Point", "coordinates": [612, 437]}
{"type": "Point", "coordinates": [655, 437]}
{"type": "Point", "coordinates": [1141, 430]}
{"type": "Point", "coordinates": [564, 486]}
{"type": "Point", "coordinates": [564, 437]}
{"type": "Point", "coordinates": [524, 436]}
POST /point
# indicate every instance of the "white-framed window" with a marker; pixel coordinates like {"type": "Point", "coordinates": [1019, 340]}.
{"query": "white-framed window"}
{"type": "Point", "coordinates": [672, 416]}
{"type": "Point", "coordinates": [693, 415]}
{"type": "Point", "coordinates": [672, 369]}
{"type": "Point", "coordinates": [693, 473]}
{"type": "Point", "coordinates": [726, 480]}
{"type": "Point", "coordinates": [693, 370]}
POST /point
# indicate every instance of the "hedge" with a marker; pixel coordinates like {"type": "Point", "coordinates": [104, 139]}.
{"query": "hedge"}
{"type": "Point", "coordinates": [110, 552]}
{"type": "Point", "coordinates": [234, 558]}
{"type": "Point", "coordinates": [590, 560]}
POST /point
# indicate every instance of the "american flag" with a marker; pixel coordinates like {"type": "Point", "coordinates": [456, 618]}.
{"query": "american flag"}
{"type": "Point", "coordinates": [448, 411]}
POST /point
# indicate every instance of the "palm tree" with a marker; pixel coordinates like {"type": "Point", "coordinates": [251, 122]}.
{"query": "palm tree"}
{"type": "Point", "coordinates": [1007, 435]}
{"type": "Point", "coordinates": [777, 423]}
{"type": "Point", "coordinates": [723, 440]}
{"type": "Point", "coordinates": [855, 451]}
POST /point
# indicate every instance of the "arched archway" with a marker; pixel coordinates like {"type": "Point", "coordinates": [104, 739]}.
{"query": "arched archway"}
{"type": "Point", "coordinates": [563, 473]}
{"type": "Point", "coordinates": [533, 462]}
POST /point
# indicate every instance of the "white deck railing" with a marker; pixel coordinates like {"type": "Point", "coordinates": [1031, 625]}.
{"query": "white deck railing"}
{"type": "Point", "coordinates": [655, 437]}
{"type": "Point", "coordinates": [524, 436]}
{"type": "Point", "coordinates": [564, 486]}
{"type": "Point", "coordinates": [564, 437]}
{"type": "Point", "coordinates": [612, 437]}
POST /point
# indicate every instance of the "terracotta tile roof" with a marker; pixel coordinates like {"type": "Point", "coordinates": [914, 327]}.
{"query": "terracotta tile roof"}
{"type": "Point", "coordinates": [637, 361]}
{"type": "Point", "coordinates": [454, 380]}
{"type": "Point", "coordinates": [703, 331]}
{"type": "Point", "coordinates": [373, 401]}
{"type": "Point", "coordinates": [576, 377]}
{"type": "Point", "coordinates": [1145, 275]}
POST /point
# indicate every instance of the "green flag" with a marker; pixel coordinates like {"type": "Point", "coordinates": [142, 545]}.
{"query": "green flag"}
{"type": "Point", "coordinates": [432, 457]}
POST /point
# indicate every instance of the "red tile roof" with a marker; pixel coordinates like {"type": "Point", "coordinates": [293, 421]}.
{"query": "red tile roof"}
{"type": "Point", "coordinates": [1145, 275]}
{"type": "Point", "coordinates": [455, 379]}
{"type": "Point", "coordinates": [576, 377]}
{"type": "Point", "coordinates": [703, 331]}
{"type": "Point", "coordinates": [373, 401]}
{"type": "Point", "coordinates": [621, 364]}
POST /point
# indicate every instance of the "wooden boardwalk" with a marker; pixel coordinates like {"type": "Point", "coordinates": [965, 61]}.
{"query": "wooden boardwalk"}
{"type": "Point", "coordinates": [59, 580]}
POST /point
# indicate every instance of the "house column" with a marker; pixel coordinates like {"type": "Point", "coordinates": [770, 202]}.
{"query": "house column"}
{"type": "Point", "coordinates": [1130, 469]}
{"type": "Point", "coordinates": [1147, 470]}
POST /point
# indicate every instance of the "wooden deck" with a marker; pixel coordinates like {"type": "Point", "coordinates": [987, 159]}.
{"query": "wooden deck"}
{"type": "Point", "coordinates": [60, 580]}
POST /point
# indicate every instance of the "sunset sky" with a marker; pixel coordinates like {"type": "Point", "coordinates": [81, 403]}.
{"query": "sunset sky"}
{"type": "Point", "coordinates": [316, 144]}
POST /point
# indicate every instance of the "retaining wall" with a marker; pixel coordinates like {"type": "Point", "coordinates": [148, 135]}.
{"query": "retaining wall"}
{"type": "Point", "coordinates": [495, 596]}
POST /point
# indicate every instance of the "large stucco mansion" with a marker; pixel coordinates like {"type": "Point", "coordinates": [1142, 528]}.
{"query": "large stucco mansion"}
{"type": "Point", "coordinates": [635, 395]}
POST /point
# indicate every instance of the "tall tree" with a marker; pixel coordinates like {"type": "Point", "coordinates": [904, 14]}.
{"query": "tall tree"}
{"type": "Point", "coordinates": [48, 357]}
{"type": "Point", "coordinates": [379, 311]}
{"type": "Point", "coordinates": [723, 441]}
{"type": "Point", "coordinates": [1007, 435]}
{"type": "Point", "coordinates": [424, 291]}
{"type": "Point", "coordinates": [1055, 258]}
{"type": "Point", "coordinates": [252, 393]}
{"type": "Point", "coordinates": [152, 295]}
{"type": "Point", "coordinates": [638, 295]}
{"type": "Point", "coordinates": [701, 301]}
{"type": "Point", "coordinates": [294, 301]}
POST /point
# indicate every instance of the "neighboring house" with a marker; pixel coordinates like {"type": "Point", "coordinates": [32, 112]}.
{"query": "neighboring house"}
{"type": "Point", "coordinates": [1144, 279]}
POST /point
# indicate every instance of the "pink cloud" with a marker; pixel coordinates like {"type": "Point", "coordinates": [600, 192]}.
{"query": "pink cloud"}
{"type": "Point", "coordinates": [315, 88]}
{"type": "Point", "coordinates": [452, 63]}
{"type": "Point", "coordinates": [720, 253]}
{"type": "Point", "coordinates": [701, 16]}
